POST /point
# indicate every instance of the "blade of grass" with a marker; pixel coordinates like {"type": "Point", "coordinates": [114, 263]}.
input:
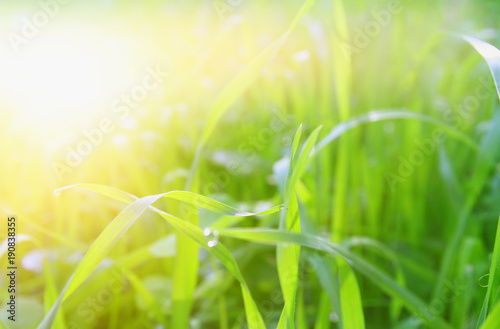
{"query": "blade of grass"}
{"type": "Point", "coordinates": [381, 115]}
{"type": "Point", "coordinates": [192, 198]}
{"type": "Point", "coordinates": [488, 149]}
{"type": "Point", "coordinates": [493, 281]}
{"type": "Point", "coordinates": [493, 320]}
{"type": "Point", "coordinates": [350, 297]}
{"type": "Point", "coordinates": [186, 260]}
{"type": "Point", "coordinates": [377, 247]}
{"type": "Point", "coordinates": [490, 54]}
{"type": "Point", "coordinates": [413, 303]}
{"type": "Point", "coordinates": [288, 256]}
{"type": "Point", "coordinates": [115, 230]}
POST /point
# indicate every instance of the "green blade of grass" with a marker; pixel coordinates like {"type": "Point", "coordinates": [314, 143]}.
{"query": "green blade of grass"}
{"type": "Point", "coordinates": [192, 198]}
{"type": "Point", "coordinates": [350, 297]}
{"type": "Point", "coordinates": [288, 256]}
{"type": "Point", "coordinates": [488, 149]}
{"type": "Point", "coordinates": [110, 235]}
{"type": "Point", "coordinates": [493, 281]}
{"type": "Point", "coordinates": [490, 54]}
{"type": "Point", "coordinates": [384, 251]}
{"type": "Point", "coordinates": [493, 320]}
{"type": "Point", "coordinates": [187, 255]}
{"type": "Point", "coordinates": [372, 273]}
{"type": "Point", "coordinates": [246, 76]}
{"type": "Point", "coordinates": [300, 163]}
{"type": "Point", "coordinates": [381, 115]}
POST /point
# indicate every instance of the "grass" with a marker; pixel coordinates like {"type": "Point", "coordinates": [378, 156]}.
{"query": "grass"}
{"type": "Point", "coordinates": [276, 181]}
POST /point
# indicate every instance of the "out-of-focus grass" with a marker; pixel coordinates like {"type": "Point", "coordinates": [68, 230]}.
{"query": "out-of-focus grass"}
{"type": "Point", "coordinates": [405, 166]}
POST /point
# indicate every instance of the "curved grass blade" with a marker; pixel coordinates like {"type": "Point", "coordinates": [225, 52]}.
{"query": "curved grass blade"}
{"type": "Point", "coordinates": [372, 273]}
{"type": "Point", "coordinates": [381, 115]}
{"type": "Point", "coordinates": [187, 255]}
{"type": "Point", "coordinates": [493, 281]}
{"type": "Point", "coordinates": [493, 320]}
{"type": "Point", "coordinates": [192, 198]}
{"type": "Point", "coordinates": [115, 230]}
{"type": "Point", "coordinates": [490, 54]}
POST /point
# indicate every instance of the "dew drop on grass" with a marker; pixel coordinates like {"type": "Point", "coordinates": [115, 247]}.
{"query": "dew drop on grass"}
{"type": "Point", "coordinates": [483, 281]}
{"type": "Point", "coordinates": [334, 317]}
{"type": "Point", "coordinates": [211, 236]}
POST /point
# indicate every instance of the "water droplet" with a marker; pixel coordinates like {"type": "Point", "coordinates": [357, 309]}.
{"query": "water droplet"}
{"type": "Point", "coordinates": [57, 192]}
{"type": "Point", "coordinates": [211, 236]}
{"type": "Point", "coordinates": [483, 281]}
{"type": "Point", "coordinates": [242, 214]}
{"type": "Point", "coordinates": [334, 317]}
{"type": "Point", "coordinates": [373, 117]}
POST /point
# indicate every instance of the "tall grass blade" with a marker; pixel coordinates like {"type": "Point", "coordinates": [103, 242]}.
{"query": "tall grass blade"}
{"type": "Point", "coordinates": [493, 281]}
{"type": "Point", "coordinates": [488, 149]}
{"type": "Point", "coordinates": [350, 297]}
{"type": "Point", "coordinates": [186, 260]}
{"type": "Point", "coordinates": [493, 320]}
{"type": "Point", "coordinates": [288, 255]}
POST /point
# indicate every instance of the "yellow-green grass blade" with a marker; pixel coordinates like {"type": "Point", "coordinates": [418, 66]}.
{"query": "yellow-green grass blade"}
{"type": "Point", "coordinates": [301, 162]}
{"type": "Point", "coordinates": [296, 141]}
{"type": "Point", "coordinates": [192, 198]}
{"type": "Point", "coordinates": [413, 303]}
{"type": "Point", "coordinates": [350, 297]}
{"type": "Point", "coordinates": [50, 295]}
{"type": "Point", "coordinates": [288, 263]}
{"type": "Point", "coordinates": [246, 76]}
{"type": "Point", "coordinates": [288, 255]}
{"type": "Point", "coordinates": [106, 240]}
{"type": "Point", "coordinates": [484, 162]}
{"type": "Point", "coordinates": [377, 247]}
{"type": "Point", "coordinates": [490, 54]}
{"type": "Point", "coordinates": [489, 147]}
{"type": "Point", "coordinates": [493, 281]}
{"type": "Point", "coordinates": [493, 320]}
{"type": "Point", "coordinates": [381, 115]}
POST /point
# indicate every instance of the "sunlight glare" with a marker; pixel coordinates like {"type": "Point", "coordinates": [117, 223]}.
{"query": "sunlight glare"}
{"type": "Point", "coordinates": [63, 77]}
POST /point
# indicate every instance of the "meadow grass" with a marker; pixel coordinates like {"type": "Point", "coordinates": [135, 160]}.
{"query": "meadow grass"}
{"type": "Point", "coordinates": [319, 182]}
